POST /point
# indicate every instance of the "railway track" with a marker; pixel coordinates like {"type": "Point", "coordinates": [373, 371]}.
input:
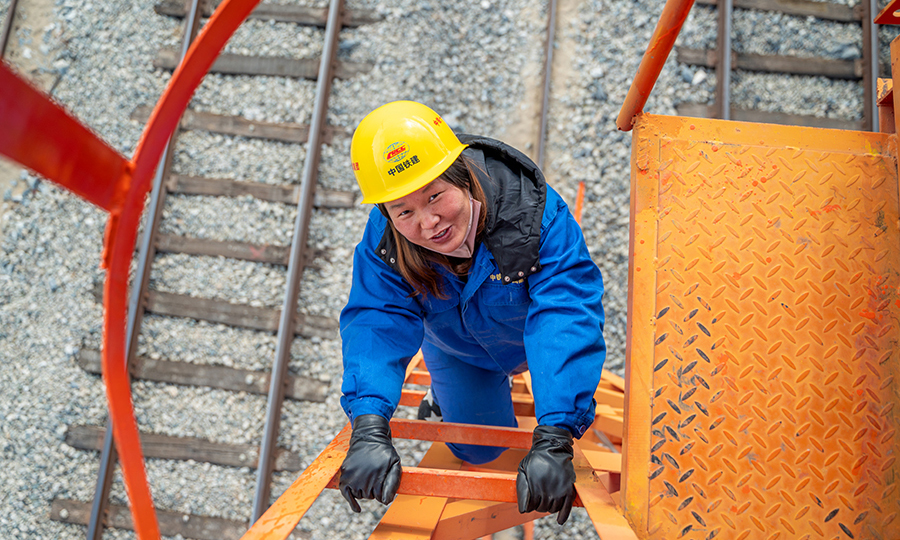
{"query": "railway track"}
{"type": "Point", "coordinates": [6, 29]}
{"type": "Point", "coordinates": [288, 323]}
{"type": "Point", "coordinates": [725, 61]}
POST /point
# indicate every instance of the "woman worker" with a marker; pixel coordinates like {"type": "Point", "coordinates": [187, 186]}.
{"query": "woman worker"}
{"type": "Point", "coordinates": [472, 257]}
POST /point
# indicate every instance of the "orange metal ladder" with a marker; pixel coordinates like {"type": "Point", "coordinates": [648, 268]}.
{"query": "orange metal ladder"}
{"type": "Point", "coordinates": [446, 498]}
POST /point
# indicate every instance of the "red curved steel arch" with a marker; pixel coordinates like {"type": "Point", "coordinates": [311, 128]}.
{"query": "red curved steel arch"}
{"type": "Point", "coordinates": [43, 137]}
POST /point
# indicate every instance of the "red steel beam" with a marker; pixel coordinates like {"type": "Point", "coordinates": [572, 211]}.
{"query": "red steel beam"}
{"type": "Point", "coordinates": [670, 22]}
{"type": "Point", "coordinates": [43, 137]}
{"type": "Point", "coordinates": [40, 135]}
{"type": "Point", "coordinates": [888, 15]}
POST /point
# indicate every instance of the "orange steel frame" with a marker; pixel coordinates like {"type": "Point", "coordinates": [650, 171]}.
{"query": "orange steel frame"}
{"type": "Point", "coordinates": [446, 498]}
{"type": "Point", "coordinates": [762, 325]}
{"type": "Point", "coordinates": [762, 328]}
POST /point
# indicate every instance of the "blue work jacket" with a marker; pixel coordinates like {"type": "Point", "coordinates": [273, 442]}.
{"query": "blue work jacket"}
{"type": "Point", "coordinates": [552, 319]}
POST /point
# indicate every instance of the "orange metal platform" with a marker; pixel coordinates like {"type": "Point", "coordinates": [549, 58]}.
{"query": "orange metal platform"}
{"type": "Point", "coordinates": [763, 307]}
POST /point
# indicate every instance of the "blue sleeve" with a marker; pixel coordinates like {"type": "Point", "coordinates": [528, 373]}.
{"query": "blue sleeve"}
{"type": "Point", "coordinates": [381, 330]}
{"type": "Point", "coordinates": [564, 327]}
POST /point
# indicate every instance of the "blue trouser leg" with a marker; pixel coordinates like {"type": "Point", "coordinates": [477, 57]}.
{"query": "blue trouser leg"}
{"type": "Point", "coordinates": [470, 395]}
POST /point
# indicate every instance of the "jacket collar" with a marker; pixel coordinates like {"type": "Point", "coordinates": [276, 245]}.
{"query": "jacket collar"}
{"type": "Point", "coordinates": [516, 193]}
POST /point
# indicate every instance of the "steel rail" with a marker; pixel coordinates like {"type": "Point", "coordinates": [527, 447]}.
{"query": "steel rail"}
{"type": "Point", "coordinates": [670, 22]}
{"type": "Point", "coordinates": [7, 27]}
{"type": "Point", "coordinates": [604, 440]}
{"type": "Point", "coordinates": [548, 64]}
{"type": "Point", "coordinates": [108, 456]}
{"type": "Point", "coordinates": [268, 445]}
{"type": "Point", "coordinates": [723, 66]}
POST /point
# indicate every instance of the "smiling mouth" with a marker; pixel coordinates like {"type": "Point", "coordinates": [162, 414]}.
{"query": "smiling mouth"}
{"type": "Point", "coordinates": [441, 235]}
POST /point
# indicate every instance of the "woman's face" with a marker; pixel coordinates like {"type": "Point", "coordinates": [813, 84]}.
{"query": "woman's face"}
{"type": "Point", "coordinates": [435, 217]}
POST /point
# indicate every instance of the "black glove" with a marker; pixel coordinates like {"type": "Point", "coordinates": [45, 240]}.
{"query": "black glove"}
{"type": "Point", "coordinates": [546, 480]}
{"type": "Point", "coordinates": [371, 469]}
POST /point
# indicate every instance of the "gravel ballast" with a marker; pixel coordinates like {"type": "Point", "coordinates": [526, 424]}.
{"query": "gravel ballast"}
{"type": "Point", "coordinates": [475, 63]}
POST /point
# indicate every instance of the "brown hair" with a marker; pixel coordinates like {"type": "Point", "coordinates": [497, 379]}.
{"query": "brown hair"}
{"type": "Point", "coordinates": [417, 264]}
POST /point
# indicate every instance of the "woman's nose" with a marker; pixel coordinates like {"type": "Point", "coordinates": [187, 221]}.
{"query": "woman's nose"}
{"type": "Point", "coordinates": [430, 220]}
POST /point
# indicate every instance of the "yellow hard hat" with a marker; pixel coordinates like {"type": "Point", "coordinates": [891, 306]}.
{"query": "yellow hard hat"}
{"type": "Point", "coordinates": [399, 148]}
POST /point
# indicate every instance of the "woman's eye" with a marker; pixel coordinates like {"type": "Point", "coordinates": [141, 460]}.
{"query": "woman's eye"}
{"type": "Point", "coordinates": [435, 196]}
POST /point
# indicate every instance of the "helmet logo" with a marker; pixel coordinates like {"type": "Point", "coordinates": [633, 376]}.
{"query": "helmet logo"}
{"type": "Point", "coordinates": [355, 165]}
{"type": "Point", "coordinates": [396, 152]}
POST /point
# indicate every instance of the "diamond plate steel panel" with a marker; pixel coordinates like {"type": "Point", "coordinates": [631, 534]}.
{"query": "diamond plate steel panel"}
{"type": "Point", "coordinates": [774, 331]}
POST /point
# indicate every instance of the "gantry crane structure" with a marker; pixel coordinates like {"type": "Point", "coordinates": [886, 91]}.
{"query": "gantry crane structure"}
{"type": "Point", "coordinates": [761, 381]}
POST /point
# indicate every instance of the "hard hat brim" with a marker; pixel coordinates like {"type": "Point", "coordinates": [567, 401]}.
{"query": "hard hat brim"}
{"type": "Point", "coordinates": [421, 181]}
